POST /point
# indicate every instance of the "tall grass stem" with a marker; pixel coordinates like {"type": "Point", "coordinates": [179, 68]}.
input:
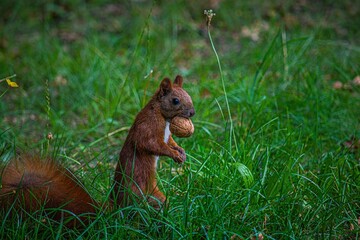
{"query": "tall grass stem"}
{"type": "Point", "coordinates": [210, 14]}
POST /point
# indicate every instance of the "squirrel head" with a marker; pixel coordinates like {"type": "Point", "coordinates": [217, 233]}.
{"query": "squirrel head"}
{"type": "Point", "coordinates": [174, 100]}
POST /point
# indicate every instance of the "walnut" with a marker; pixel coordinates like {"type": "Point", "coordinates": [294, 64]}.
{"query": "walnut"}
{"type": "Point", "coordinates": [181, 127]}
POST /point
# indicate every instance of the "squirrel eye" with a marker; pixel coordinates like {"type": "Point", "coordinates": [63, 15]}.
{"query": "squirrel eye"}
{"type": "Point", "coordinates": [175, 101]}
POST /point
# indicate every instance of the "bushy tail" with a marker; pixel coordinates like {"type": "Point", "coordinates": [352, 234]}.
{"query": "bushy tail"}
{"type": "Point", "coordinates": [32, 184]}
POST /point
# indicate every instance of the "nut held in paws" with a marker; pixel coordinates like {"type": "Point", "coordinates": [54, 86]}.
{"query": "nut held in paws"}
{"type": "Point", "coordinates": [181, 127]}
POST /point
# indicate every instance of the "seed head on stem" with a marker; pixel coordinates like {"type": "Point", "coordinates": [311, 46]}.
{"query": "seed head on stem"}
{"type": "Point", "coordinates": [209, 15]}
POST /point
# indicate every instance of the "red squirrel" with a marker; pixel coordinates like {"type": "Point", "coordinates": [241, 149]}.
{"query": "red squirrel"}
{"type": "Point", "coordinates": [149, 138]}
{"type": "Point", "coordinates": [30, 183]}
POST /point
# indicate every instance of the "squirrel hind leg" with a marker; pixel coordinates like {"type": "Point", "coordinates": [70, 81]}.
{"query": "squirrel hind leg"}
{"type": "Point", "coordinates": [157, 199]}
{"type": "Point", "coordinates": [129, 196]}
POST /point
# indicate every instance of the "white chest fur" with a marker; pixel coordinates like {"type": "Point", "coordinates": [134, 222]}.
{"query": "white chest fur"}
{"type": "Point", "coordinates": [167, 132]}
{"type": "Point", "coordinates": [166, 139]}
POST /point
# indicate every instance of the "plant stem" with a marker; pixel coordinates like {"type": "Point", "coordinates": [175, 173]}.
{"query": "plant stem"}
{"type": "Point", "coordinates": [222, 82]}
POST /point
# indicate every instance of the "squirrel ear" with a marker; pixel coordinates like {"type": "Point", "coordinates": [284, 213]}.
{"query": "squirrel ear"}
{"type": "Point", "coordinates": [165, 87]}
{"type": "Point", "coordinates": [178, 81]}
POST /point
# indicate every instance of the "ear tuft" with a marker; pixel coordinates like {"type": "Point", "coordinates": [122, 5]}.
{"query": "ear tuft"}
{"type": "Point", "coordinates": [178, 81]}
{"type": "Point", "coordinates": [165, 87]}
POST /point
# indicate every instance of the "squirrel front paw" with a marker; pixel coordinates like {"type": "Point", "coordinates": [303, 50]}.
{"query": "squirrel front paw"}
{"type": "Point", "coordinates": [180, 155]}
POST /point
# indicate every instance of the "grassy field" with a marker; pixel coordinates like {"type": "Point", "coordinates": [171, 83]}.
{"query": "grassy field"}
{"type": "Point", "coordinates": [275, 153]}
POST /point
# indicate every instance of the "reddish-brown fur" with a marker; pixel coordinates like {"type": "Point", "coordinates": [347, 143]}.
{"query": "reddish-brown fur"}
{"type": "Point", "coordinates": [136, 169]}
{"type": "Point", "coordinates": [31, 184]}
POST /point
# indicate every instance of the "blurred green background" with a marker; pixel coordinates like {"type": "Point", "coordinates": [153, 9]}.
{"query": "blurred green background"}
{"type": "Point", "coordinates": [283, 164]}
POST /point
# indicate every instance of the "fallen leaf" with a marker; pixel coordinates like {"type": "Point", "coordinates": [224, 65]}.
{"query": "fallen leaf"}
{"type": "Point", "coordinates": [60, 81]}
{"type": "Point", "coordinates": [356, 81]}
{"type": "Point", "coordinates": [352, 228]}
{"type": "Point", "coordinates": [337, 85]}
{"type": "Point", "coordinates": [253, 32]}
{"type": "Point", "coordinates": [205, 93]}
{"type": "Point", "coordinates": [11, 83]}
{"type": "Point", "coordinates": [258, 237]}
{"type": "Point", "coordinates": [235, 237]}
{"type": "Point", "coordinates": [215, 3]}
{"type": "Point", "coordinates": [353, 144]}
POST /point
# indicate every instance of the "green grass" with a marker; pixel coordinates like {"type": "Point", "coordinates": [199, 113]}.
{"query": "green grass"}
{"type": "Point", "coordinates": [267, 155]}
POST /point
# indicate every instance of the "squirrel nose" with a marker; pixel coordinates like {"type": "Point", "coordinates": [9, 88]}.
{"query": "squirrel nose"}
{"type": "Point", "coordinates": [191, 112]}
